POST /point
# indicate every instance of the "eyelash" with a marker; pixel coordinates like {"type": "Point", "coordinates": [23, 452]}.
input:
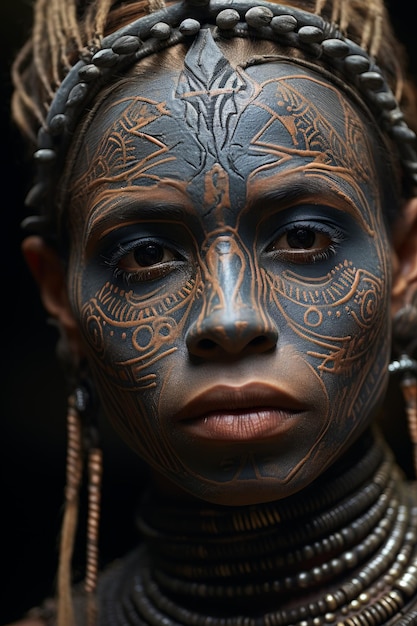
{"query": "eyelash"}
{"type": "Point", "coordinates": [162, 268]}
{"type": "Point", "coordinates": [305, 256]}
{"type": "Point", "coordinates": [154, 272]}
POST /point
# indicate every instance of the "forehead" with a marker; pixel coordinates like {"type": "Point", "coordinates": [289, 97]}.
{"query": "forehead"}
{"type": "Point", "coordinates": [270, 119]}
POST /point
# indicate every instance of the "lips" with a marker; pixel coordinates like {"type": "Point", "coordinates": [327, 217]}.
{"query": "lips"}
{"type": "Point", "coordinates": [250, 412]}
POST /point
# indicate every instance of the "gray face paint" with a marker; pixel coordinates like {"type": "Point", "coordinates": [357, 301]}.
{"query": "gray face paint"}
{"type": "Point", "coordinates": [230, 271]}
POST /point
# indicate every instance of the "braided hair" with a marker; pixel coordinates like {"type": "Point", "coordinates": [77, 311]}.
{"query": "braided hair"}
{"type": "Point", "coordinates": [64, 30]}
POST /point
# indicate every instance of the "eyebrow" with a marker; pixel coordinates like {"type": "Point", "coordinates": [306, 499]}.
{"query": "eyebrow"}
{"type": "Point", "coordinates": [291, 189]}
{"type": "Point", "coordinates": [139, 205]}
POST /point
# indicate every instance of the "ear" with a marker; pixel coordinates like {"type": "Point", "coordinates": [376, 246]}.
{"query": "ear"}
{"type": "Point", "coordinates": [48, 271]}
{"type": "Point", "coordinates": [404, 284]}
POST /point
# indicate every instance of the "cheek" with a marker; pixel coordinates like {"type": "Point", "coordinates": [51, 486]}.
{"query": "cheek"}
{"type": "Point", "coordinates": [340, 322]}
{"type": "Point", "coordinates": [131, 342]}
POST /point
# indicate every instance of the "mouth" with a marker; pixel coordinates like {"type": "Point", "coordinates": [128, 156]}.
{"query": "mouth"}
{"type": "Point", "coordinates": [251, 412]}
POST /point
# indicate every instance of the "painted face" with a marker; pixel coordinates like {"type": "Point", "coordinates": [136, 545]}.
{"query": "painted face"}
{"type": "Point", "coordinates": [230, 272]}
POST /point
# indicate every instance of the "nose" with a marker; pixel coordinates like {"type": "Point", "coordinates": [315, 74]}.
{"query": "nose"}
{"type": "Point", "coordinates": [218, 336]}
{"type": "Point", "coordinates": [231, 321]}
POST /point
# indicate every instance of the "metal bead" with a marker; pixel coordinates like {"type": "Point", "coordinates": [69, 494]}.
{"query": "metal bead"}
{"type": "Point", "coordinates": [317, 574]}
{"type": "Point", "coordinates": [303, 579]}
{"type": "Point", "coordinates": [350, 559]}
{"type": "Point", "coordinates": [227, 19]}
{"type": "Point", "coordinates": [128, 44]}
{"type": "Point", "coordinates": [57, 124]}
{"type": "Point", "coordinates": [364, 598]}
{"type": "Point", "coordinates": [258, 17]}
{"type": "Point", "coordinates": [331, 602]}
{"type": "Point", "coordinates": [372, 80]}
{"type": "Point", "coordinates": [81, 398]}
{"type": "Point", "coordinates": [335, 48]}
{"type": "Point", "coordinates": [282, 24]}
{"type": "Point", "coordinates": [33, 198]}
{"type": "Point", "coordinates": [189, 26]}
{"type": "Point", "coordinates": [337, 566]}
{"type": "Point", "coordinates": [403, 133]}
{"type": "Point", "coordinates": [412, 167]}
{"type": "Point", "coordinates": [89, 72]}
{"type": "Point", "coordinates": [44, 155]}
{"type": "Point", "coordinates": [396, 597]}
{"type": "Point", "coordinates": [105, 58]}
{"type": "Point", "coordinates": [161, 30]}
{"type": "Point", "coordinates": [310, 34]}
{"type": "Point", "coordinates": [356, 63]}
{"type": "Point", "coordinates": [395, 116]}
{"type": "Point", "coordinates": [386, 100]}
{"type": "Point", "coordinates": [77, 94]}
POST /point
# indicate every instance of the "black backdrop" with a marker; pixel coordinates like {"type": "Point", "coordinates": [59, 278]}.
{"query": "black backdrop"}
{"type": "Point", "coordinates": [32, 432]}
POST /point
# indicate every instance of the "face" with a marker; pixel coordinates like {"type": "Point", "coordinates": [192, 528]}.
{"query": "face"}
{"type": "Point", "coordinates": [230, 273]}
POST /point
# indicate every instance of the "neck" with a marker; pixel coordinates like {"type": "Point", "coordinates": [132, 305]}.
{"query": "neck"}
{"type": "Point", "coordinates": [318, 555]}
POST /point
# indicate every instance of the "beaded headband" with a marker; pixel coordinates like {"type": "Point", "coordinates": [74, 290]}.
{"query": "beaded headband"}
{"type": "Point", "coordinates": [181, 22]}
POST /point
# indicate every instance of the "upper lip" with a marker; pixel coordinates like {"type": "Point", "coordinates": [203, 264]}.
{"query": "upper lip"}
{"type": "Point", "coordinates": [224, 398]}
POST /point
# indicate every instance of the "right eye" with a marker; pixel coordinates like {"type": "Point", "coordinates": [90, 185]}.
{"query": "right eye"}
{"type": "Point", "coordinates": [141, 261]}
{"type": "Point", "coordinates": [305, 243]}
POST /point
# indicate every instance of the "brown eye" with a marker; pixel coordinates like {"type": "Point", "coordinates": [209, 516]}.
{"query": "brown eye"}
{"type": "Point", "coordinates": [148, 254]}
{"type": "Point", "coordinates": [306, 244]}
{"type": "Point", "coordinates": [302, 238]}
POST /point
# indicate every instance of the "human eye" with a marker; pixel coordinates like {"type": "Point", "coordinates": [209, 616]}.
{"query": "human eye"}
{"type": "Point", "coordinates": [306, 242]}
{"type": "Point", "coordinates": [142, 260]}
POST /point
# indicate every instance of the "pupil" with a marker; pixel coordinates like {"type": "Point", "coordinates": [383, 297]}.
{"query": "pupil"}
{"type": "Point", "coordinates": [301, 238]}
{"type": "Point", "coordinates": [149, 254]}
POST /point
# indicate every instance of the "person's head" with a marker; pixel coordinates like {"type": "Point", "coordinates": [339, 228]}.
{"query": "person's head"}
{"type": "Point", "coordinates": [227, 225]}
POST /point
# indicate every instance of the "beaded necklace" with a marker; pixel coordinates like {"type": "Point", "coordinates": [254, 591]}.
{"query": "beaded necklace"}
{"type": "Point", "coordinates": [342, 553]}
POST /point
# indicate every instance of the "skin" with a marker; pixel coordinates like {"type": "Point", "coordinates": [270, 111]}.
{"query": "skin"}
{"type": "Point", "coordinates": [230, 273]}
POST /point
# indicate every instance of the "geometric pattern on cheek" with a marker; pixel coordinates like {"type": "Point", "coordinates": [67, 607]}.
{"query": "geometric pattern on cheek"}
{"type": "Point", "coordinates": [347, 298]}
{"type": "Point", "coordinates": [352, 365]}
{"type": "Point", "coordinates": [132, 334]}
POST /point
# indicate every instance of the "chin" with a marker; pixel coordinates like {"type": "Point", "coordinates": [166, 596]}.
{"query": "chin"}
{"type": "Point", "coordinates": [246, 493]}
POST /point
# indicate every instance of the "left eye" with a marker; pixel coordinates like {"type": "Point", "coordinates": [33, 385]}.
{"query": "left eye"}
{"type": "Point", "coordinates": [148, 254]}
{"type": "Point", "coordinates": [304, 238]}
{"type": "Point", "coordinates": [300, 243]}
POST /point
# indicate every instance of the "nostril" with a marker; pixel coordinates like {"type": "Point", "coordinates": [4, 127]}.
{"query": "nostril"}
{"type": "Point", "coordinates": [214, 338]}
{"type": "Point", "coordinates": [207, 344]}
{"type": "Point", "coordinates": [263, 343]}
{"type": "Point", "coordinates": [259, 342]}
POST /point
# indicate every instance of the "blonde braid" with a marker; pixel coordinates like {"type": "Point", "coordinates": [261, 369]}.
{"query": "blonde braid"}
{"type": "Point", "coordinates": [371, 35]}
{"type": "Point", "coordinates": [22, 103]}
{"type": "Point", "coordinates": [95, 24]}
{"type": "Point", "coordinates": [319, 6]}
{"type": "Point", "coordinates": [377, 31]}
{"type": "Point", "coordinates": [39, 44]}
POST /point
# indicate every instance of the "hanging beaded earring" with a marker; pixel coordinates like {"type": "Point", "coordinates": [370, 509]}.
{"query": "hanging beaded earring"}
{"type": "Point", "coordinates": [405, 347]}
{"type": "Point", "coordinates": [65, 615]}
{"type": "Point", "coordinates": [82, 450]}
{"type": "Point", "coordinates": [95, 466]}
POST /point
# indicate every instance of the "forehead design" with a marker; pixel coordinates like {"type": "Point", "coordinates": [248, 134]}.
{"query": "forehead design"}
{"type": "Point", "coordinates": [213, 95]}
{"type": "Point", "coordinates": [249, 122]}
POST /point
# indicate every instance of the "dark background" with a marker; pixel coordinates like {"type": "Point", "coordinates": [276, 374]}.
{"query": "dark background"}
{"type": "Point", "coordinates": [32, 402]}
{"type": "Point", "coordinates": [33, 397]}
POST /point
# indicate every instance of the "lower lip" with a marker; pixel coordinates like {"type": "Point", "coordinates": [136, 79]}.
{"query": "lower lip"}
{"type": "Point", "coordinates": [241, 426]}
